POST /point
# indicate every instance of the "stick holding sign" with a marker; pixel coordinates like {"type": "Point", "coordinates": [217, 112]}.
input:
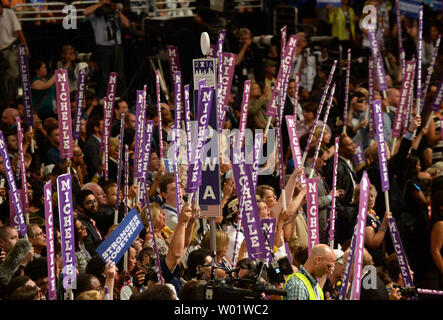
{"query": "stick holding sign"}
{"type": "Point", "coordinates": [348, 72]}
{"type": "Point", "coordinates": [119, 166]}
{"type": "Point", "coordinates": [25, 77]}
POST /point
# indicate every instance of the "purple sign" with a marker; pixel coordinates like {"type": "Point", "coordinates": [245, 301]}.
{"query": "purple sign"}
{"type": "Point", "coordinates": [12, 185]}
{"type": "Point", "coordinates": [174, 62]}
{"type": "Point", "coordinates": [50, 249]}
{"type": "Point", "coordinates": [312, 213]}
{"type": "Point", "coordinates": [280, 156]}
{"type": "Point", "coordinates": [188, 124]}
{"type": "Point", "coordinates": [403, 101]}
{"type": "Point", "coordinates": [26, 83]}
{"type": "Point", "coordinates": [244, 113]}
{"type": "Point", "coordinates": [126, 190]}
{"type": "Point", "coordinates": [285, 68]}
{"type": "Point", "coordinates": [22, 165]}
{"type": "Point", "coordinates": [204, 110]}
{"type": "Point", "coordinates": [268, 227]}
{"type": "Point", "coordinates": [359, 155]}
{"type": "Point", "coordinates": [81, 87]}
{"type": "Point", "coordinates": [419, 51]}
{"type": "Point", "coordinates": [295, 146]}
{"type": "Point", "coordinates": [120, 159]}
{"type": "Point", "coordinates": [378, 59]}
{"type": "Point", "coordinates": [430, 70]}
{"type": "Point", "coordinates": [371, 88]}
{"type": "Point", "coordinates": [140, 115]}
{"type": "Point", "coordinates": [64, 113]}
{"type": "Point", "coordinates": [225, 81]}
{"type": "Point", "coordinates": [154, 239]}
{"type": "Point", "coordinates": [66, 218]}
{"type": "Point", "coordinates": [112, 88]}
{"type": "Point", "coordinates": [146, 150]}
{"type": "Point", "coordinates": [334, 189]}
{"type": "Point", "coordinates": [348, 72]}
{"type": "Point", "coordinates": [401, 256]}
{"type": "Point", "coordinates": [258, 143]}
{"type": "Point", "coordinates": [159, 113]}
{"type": "Point", "coordinates": [254, 237]}
{"type": "Point", "coordinates": [347, 273]}
{"type": "Point", "coordinates": [176, 134]}
{"type": "Point", "coordinates": [220, 41]}
{"type": "Point", "coordinates": [13, 219]}
{"type": "Point", "coordinates": [360, 236]}
{"type": "Point", "coordinates": [382, 160]}
{"type": "Point", "coordinates": [438, 99]}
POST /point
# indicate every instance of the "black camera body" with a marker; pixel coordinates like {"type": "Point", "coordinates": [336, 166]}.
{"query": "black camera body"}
{"type": "Point", "coordinates": [407, 292]}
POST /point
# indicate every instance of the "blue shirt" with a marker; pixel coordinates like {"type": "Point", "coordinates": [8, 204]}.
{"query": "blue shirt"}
{"type": "Point", "coordinates": [100, 26]}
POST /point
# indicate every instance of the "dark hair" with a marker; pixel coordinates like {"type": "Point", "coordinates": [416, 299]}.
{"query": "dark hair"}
{"type": "Point", "coordinates": [158, 292]}
{"type": "Point", "coordinates": [193, 290]}
{"type": "Point", "coordinates": [15, 283]}
{"type": "Point", "coordinates": [83, 283]}
{"type": "Point", "coordinates": [96, 266]}
{"type": "Point", "coordinates": [165, 180]}
{"type": "Point", "coordinates": [392, 267]}
{"type": "Point", "coordinates": [92, 122]}
{"type": "Point", "coordinates": [195, 259]}
{"type": "Point", "coordinates": [37, 268]}
{"type": "Point", "coordinates": [37, 64]}
{"type": "Point", "coordinates": [81, 196]}
{"type": "Point", "coordinates": [310, 107]}
{"type": "Point", "coordinates": [411, 171]}
{"type": "Point", "coordinates": [24, 293]}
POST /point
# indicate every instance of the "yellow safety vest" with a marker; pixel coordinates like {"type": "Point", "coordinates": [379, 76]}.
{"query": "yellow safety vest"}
{"type": "Point", "coordinates": [308, 285]}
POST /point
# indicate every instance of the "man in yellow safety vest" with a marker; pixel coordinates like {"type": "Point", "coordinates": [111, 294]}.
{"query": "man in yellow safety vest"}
{"type": "Point", "coordinates": [303, 285]}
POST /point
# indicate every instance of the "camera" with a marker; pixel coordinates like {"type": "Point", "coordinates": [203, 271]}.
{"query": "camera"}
{"type": "Point", "coordinates": [150, 275]}
{"type": "Point", "coordinates": [408, 292]}
{"type": "Point", "coordinates": [266, 41]}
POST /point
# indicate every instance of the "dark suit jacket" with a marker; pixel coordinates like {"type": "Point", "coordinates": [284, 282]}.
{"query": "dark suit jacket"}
{"type": "Point", "coordinates": [92, 161]}
{"type": "Point", "coordinates": [92, 241]}
{"type": "Point", "coordinates": [344, 180]}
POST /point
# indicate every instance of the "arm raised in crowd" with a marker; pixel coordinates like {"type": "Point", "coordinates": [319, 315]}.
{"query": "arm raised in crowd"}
{"type": "Point", "coordinates": [289, 191]}
{"type": "Point", "coordinates": [189, 232]}
{"type": "Point", "coordinates": [175, 252]}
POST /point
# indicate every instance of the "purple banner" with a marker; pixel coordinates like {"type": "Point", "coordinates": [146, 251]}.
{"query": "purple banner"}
{"type": "Point", "coordinates": [112, 88]}
{"type": "Point", "coordinates": [438, 98]}
{"type": "Point", "coordinates": [360, 236]}
{"type": "Point", "coordinates": [120, 159]}
{"type": "Point", "coordinates": [371, 88]}
{"type": "Point", "coordinates": [348, 72]}
{"type": "Point", "coordinates": [297, 88]}
{"type": "Point", "coordinates": [66, 216]}
{"type": "Point", "coordinates": [188, 124]}
{"type": "Point", "coordinates": [244, 113]}
{"type": "Point", "coordinates": [378, 59]}
{"type": "Point", "coordinates": [159, 113]}
{"type": "Point", "coordinates": [295, 146]}
{"type": "Point", "coordinates": [382, 160]}
{"type": "Point", "coordinates": [258, 144]}
{"type": "Point", "coordinates": [174, 62]}
{"type": "Point", "coordinates": [410, 105]}
{"type": "Point", "coordinates": [441, 126]}
{"type": "Point", "coordinates": [151, 228]}
{"type": "Point", "coordinates": [126, 178]}
{"type": "Point", "coordinates": [25, 78]}
{"type": "Point", "coordinates": [12, 185]}
{"type": "Point", "coordinates": [50, 249]}
{"type": "Point", "coordinates": [225, 77]}
{"type": "Point", "coordinates": [108, 106]}
{"type": "Point", "coordinates": [349, 262]}
{"type": "Point", "coordinates": [255, 241]}
{"type": "Point", "coordinates": [429, 291]}
{"type": "Point", "coordinates": [312, 213]}
{"type": "Point", "coordinates": [204, 110]}
{"type": "Point", "coordinates": [140, 115]}
{"type": "Point", "coordinates": [64, 113]}
{"type": "Point", "coordinates": [81, 88]}
{"type": "Point", "coordinates": [176, 134]}
{"type": "Point", "coordinates": [280, 156]}
{"type": "Point", "coordinates": [334, 189]}
{"type": "Point", "coordinates": [320, 108]}
{"type": "Point", "coordinates": [403, 101]}
{"type": "Point", "coordinates": [146, 149]}
{"type": "Point", "coordinates": [22, 165]}
{"type": "Point", "coordinates": [430, 70]}
{"type": "Point", "coordinates": [401, 256]}
{"type": "Point", "coordinates": [13, 219]}
{"type": "Point", "coordinates": [284, 32]}
{"type": "Point", "coordinates": [285, 68]}
{"type": "Point", "coordinates": [220, 41]}
{"type": "Point", "coordinates": [268, 227]}
{"type": "Point", "coordinates": [359, 155]}
{"type": "Point", "coordinates": [419, 51]}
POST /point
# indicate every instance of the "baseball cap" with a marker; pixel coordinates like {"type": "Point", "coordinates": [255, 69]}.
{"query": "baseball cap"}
{"type": "Point", "coordinates": [339, 255]}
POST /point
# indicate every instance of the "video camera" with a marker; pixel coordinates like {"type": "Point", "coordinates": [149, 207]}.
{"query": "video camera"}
{"type": "Point", "coordinates": [407, 292]}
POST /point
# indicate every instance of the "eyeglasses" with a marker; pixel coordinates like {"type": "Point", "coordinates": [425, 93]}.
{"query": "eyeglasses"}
{"type": "Point", "coordinates": [38, 234]}
{"type": "Point", "coordinates": [78, 154]}
{"type": "Point", "coordinates": [90, 202]}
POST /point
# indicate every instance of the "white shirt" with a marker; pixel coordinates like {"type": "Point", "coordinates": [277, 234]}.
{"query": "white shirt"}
{"type": "Point", "coordinates": [9, 25]}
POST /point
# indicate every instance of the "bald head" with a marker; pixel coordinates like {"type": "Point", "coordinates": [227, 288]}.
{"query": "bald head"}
{"type": "Point", "coordinates": [392, 96]}
{"type": "Point", "coordinates": [9, 115]}
{"type": "Point", "coordinates": [321, 260]}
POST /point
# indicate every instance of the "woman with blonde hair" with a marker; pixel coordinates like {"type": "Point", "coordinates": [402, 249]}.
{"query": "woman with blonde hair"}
{"type": "Point", "coordinates": [222, 242]}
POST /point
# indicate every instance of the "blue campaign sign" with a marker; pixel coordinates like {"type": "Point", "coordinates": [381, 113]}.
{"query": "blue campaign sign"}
{"type": "Point", "coordinates": [119, 241]}
{"type": "Point", "coordinates": [169, 165]}
{"type": "Point", "coordinates": [410, 8]}
{"type": "Point", "coordinates": [324, 3]}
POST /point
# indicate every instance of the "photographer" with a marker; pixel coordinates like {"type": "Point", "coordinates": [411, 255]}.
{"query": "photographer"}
{"type": "Point", "coordinates": [106, 19]}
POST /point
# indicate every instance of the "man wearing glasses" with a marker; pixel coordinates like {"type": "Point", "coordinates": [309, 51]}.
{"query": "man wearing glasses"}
{"type": "Point", "coordinates": [303, 285]}
{"type": "Point", "coordinates": [87, 208]}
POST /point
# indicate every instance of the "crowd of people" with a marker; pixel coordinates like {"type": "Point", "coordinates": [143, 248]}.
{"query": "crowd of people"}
{"type": "Point", "coordinates": [189, 259]}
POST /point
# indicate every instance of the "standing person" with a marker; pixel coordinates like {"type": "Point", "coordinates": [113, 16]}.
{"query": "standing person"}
{"type": "Point", "coordinates": [107, 19]}
{"type": "Point", "coordinates": [168, 192]}
{"type": "Point", "coordinates": [10, 33]}
{"type": "Point", "coordinates": [342, 20]}
{"type": "Point", "coordinates": [43, 92]}
{"type": "Point", "coordinates": [333, 282]}
{"type": "Point", "coordinates": [303, 284]}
